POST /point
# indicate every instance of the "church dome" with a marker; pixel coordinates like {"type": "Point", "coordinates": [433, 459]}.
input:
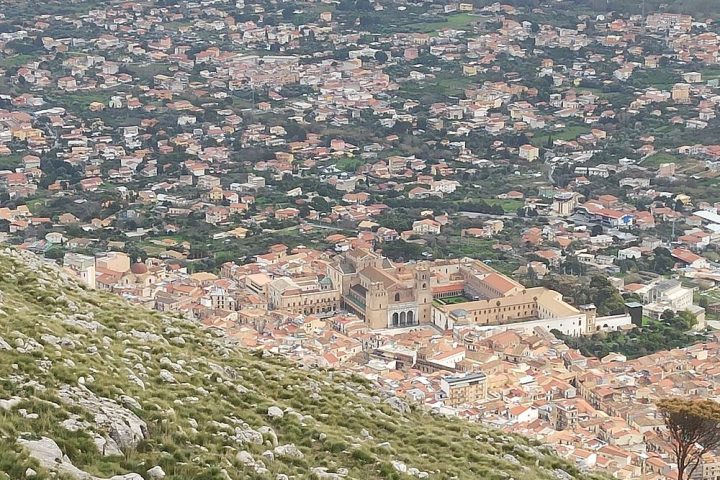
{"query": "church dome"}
{"type": "Point", "coordinates": [138, 268]}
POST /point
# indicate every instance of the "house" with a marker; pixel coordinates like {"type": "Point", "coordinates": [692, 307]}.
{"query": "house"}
{"type": "Point", "coordinates": [426, 226]}
{"type": "Point", "coordinates": [67, 219]}
{"type": "Point", "coordinates": [286, 213]}
{"type": "Point", "coordinates": [522, 414]}
{"type": "Point", "coordinates": [90, 184]}
{"type": "Point", "coordinates": [553, 257]}
{"type": "Point", "coordinates": [633, 253]}
{"type": "Point", "coordinates": [690, 259]}
{"type": "Point", "coordinates": [239, 232]}
{"type": "Point", "coordinates": [529, 153]}
{"type": "Point", "coordinates": [67, 83]}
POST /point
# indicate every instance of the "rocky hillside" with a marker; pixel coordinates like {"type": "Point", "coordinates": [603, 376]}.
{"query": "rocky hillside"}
{"type": "Point", "coordinates": [92, 388]}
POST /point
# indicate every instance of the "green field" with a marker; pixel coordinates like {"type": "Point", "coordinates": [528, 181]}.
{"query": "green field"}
{"type": "Point", "coordinates": [14, 61]}
{"type": "Point", "coordinates": [458, 21]}
{"type": "Point", "coordinates": [454, 85]}
{"type": "Point", "coordinates": [348, 164]}
{"type": "Point", "coordinates": [510, 206]}
{"type": "Point", "coordinates": [709, 73]}
{"type": "Point", "coordinates": [567, 134]}
{"type": "Point", "coordinates": [658, 159]}
{"type": "Point", "coordinates": [80, 101]}
{"type": "Point", "coordinates": [659, 78]}
{"type": "Point", "coordinates": [10, 162]}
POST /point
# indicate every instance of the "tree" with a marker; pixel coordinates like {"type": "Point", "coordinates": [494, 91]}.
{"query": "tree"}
{"type": "Point", "coordinates": [320, 204]}
{"type": "Point", "coordinates": [663, 261]}
{"type": "Point", "coordinates": [693, 428]}
{"type": "Point", "coordinates": [381, 56]}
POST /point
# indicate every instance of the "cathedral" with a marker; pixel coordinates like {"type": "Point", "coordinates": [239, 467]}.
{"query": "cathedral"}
{"type": "Point", "coordinates": [384, 295]}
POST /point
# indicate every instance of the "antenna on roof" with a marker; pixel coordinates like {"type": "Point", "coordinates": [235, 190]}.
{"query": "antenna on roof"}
{"type": "Point", "coordinates": [672, 235]}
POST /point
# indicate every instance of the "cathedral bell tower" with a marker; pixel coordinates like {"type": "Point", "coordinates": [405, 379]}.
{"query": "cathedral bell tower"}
{"type": "Point", "coordinates": [423, 295]}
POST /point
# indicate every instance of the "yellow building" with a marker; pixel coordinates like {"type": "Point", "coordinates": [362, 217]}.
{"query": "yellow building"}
{"type": "Point", "coordinates": [470, 70]}
{"type": "Point", "coordinates": [451, 292]}
{"type": "Point", "coordinates": [27, 133]}
{"type": "Point", "coordinates": [529, 153]}
{"type": "Point", "coordinates": [215, 194]}
{"type": "Point", "coordinates": [681, 93]}
{"type": "Point", "coordinates": [384, 295]}
{"type": "Point", "coordinates": [114, 261]}
{"type": "Point", "coordinates": [564, 203]}
{"type": "Point", "coordinates": [464, 390]}
{"type": "Point", "coordinates": [533, 307]}
{"type": "Point", "coordinates": [303, 296]}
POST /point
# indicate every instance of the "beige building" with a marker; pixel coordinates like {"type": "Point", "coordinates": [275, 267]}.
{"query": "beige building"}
{"type": "Point", "coordinates": [304, 295]}
{"type": "Point", "coordinates": [709, 468]}
{"type": "Point", "coordinates": [529, 153]}
{"type": "Point", "coordinates": [681, 93]}
{"type": "Point", "coordinates": [527, 309]}
{"type": "Point", "coordinates": [564, 203]}
{"type": "Point", "coordinates": [82, 266]}
{"type": "Point", "coordinates": [384, 295]}
{"type": "Point", "coordinates": [113, 261]}
{"type": "Point", "coordinates": [563, 415]}
{"type": "Point", "coordinates": [468, 389]}
{"type": "Point", "coordinates": [452, 292]}
{"type": "Point", "coordinates": [426, 226]}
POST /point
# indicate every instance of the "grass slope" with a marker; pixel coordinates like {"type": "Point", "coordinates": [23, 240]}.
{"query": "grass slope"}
{"type": "Point", "coordinates": [56, 332]}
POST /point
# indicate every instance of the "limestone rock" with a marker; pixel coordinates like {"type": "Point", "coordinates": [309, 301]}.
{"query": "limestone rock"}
{"type": "Point", "coordinates": [10, 403]}
{"type": "Point", "coordinates": [106, 446]}
{"type": "Point", "coordinates": [167, 377]}
{"type": "Point", "coordinates": [125, 428]}
{"type": "Point", "coordinates": [398, 404]}
{"type": "Point", "coordinates": [156, 473]}
{"type": "Point", "coordinates": [245, 458]}
{"type": "Point", "coordinates": [130, 402]}
{"type": "Point", "coordinates": [289, 450]}
{"type": "Point", "coordinates": [146, 336]}
{"type": "Point", "coordinates": [561, 474]}
{"type": "Point", "coordinates": [323, 474]}
{"type": "Point", "coordinates": [248, 435]}
{"type": "Point", "coordinates": [50, 457]}
{"type": "Point", "coordinates": [399, 466]}
{"type": "Point", "coordinates": [275, 412]}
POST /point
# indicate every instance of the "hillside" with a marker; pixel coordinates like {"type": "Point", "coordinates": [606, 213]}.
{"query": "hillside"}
{"type": "Point", "coordinates": [697, 8]}
{"type": "Point", "coordinates": [91, 387]}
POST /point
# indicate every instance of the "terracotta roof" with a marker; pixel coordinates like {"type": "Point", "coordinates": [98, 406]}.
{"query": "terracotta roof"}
{"type": "Point", "coordinates": [499, 282]}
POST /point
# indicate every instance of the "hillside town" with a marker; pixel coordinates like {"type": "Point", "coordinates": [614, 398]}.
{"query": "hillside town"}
{"type": "Point", "coordinates": [495, 212]}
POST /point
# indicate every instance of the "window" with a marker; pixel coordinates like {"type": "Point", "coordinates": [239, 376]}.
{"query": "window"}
{"type": "Point", "coordinates": [397, 297]}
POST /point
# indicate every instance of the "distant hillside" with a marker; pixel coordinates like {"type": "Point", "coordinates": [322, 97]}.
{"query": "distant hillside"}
{"type": "Point", "coordinates": [91, 387]}
{"type": "Point", "coordinates": [697, 8]}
